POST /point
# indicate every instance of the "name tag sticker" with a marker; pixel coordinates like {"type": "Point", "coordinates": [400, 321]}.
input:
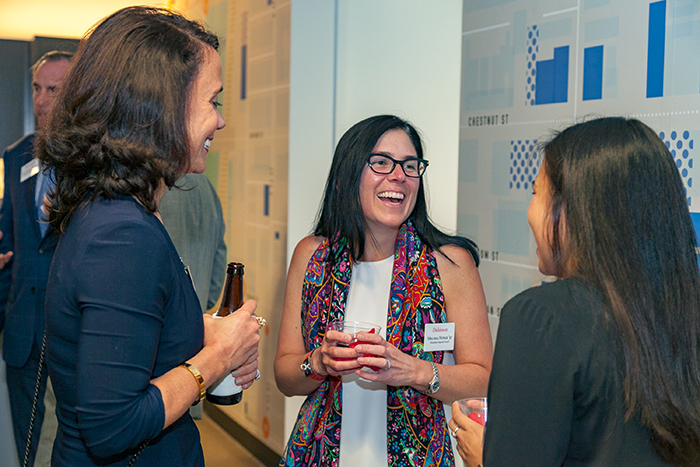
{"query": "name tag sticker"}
{"type": "Point", "coordinates": [439, 336]}
{"type": "Point", "coordinates": [28, 170]}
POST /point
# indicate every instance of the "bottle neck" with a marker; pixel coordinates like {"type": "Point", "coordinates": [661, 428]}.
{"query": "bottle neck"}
{"type": "Point", "coordinates": [233, 292]}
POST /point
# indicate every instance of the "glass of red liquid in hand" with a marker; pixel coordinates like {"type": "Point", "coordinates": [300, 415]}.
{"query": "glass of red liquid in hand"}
{"type": "Point", "coordinates": [353, 328]}
{"type": "Point", "coordinates": [475, 408]}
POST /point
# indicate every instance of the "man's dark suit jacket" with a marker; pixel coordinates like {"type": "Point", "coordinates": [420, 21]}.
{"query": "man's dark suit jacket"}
{"type": "Point", "coordinates": [23, 279]}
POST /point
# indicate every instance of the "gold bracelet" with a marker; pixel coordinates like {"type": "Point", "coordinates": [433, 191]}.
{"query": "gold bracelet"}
{"type": "Point", "coordinates": [200, 381]}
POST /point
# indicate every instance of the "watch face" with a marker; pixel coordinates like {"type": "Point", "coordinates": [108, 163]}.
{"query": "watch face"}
{"type": "Point", "coordinates": [435, 383]}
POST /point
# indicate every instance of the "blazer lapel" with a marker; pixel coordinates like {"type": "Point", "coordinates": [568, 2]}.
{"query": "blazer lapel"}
{"type": "Point", "coordinates": [49, 241]}
{"type": "Point", "coordinates": [29, 188]}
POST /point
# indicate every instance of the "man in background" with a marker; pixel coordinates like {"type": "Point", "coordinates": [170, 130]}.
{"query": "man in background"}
{"type": "Point", "coordinates": [192, 215]}
{"type": "Point", "coordinates": [27, 245]}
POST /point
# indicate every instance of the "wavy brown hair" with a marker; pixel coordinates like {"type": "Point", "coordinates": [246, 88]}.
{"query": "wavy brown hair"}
{"type": "Point", "coordinates": [617, 194]}
{"type": "Point", "coordinates": [119, 123]}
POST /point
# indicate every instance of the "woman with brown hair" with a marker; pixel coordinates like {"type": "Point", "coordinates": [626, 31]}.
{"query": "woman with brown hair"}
{"type": "Point", "coordinates": [128, 350]}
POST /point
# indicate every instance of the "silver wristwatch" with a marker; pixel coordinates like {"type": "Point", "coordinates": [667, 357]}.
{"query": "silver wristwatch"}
{"type": "Point", "coordinates": [434, 384]}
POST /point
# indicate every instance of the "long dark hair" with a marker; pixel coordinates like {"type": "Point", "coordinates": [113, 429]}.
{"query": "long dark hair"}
{"type": "Point", "coordinates": [618, 196]}
{"type": "Point", "coordinates": [119, 124]}
{"type": "Point", "coordinates": [341, 213]}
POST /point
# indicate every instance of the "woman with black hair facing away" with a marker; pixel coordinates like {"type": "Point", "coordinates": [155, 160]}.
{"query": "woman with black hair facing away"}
{"type": "Point", "coordinates": [601, 367]}
{"type": "Point", "coordinates": [127, 347]}
{"type": "Point", "coordinates": [375, 257]}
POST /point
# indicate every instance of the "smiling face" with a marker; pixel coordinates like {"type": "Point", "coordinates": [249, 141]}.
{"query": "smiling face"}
{"type": "Point", "coordinates": [45, 83]}
{"type": "Point", "coordinates": [388, 200]}
{"type": "Point", "coordinates": [204, 117]}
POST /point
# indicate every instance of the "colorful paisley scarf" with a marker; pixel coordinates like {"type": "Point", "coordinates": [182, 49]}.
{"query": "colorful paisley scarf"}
{"type": "Point", "coordinates": [417, 434]}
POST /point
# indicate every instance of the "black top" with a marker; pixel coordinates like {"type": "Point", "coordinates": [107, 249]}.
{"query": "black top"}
{"type": "Point", "coordinates": [121, 312]}
{"type": "Point", "coordinates": [556, 395]}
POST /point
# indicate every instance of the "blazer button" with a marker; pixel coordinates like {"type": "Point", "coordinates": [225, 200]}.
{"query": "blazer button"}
{"type": "Point", "coordinates": [41, 251]}
{"type": "Point", "coordinates": [33, 289]}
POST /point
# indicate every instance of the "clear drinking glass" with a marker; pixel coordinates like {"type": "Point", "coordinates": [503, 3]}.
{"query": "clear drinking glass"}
{"type": "Point", "coordinates": [475, 408]}
{"type": "Point", "coordinates": [353, 328]}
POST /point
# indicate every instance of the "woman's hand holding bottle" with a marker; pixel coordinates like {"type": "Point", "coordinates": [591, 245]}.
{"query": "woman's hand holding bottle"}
{"type": "Point", "coordinates": [234, 342]}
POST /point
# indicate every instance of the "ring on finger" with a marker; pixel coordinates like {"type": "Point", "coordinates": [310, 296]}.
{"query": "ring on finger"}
{"type": "Point", "coordinates": [261, 321]}
{"type": "Point", "coordinates": [257, 374]}
{"type": "Point", "coordinates": [454, 432]}
{"type": "Point", "coordinates": [388, 365]}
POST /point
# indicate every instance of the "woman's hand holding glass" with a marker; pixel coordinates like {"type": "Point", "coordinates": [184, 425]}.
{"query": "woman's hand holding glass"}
{"type": "Point", "coordinates": [334, 357]}
{"type": "Point", "coordinates": [469, 435]}
{"type": "Point", "coordinates": [395, 368]}
{"type": "Point", "coordinates": [233, 341]}
{"type": "Point", "coordinates": [337, 355]}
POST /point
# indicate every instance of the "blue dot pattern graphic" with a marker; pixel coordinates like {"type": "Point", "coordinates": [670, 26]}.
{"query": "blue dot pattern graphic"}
{"type": "Point", "coordinates": [524, 164]}
{"type": "Point", "coordinates": [681, 146]}
{"type": "Point", "coordinates": [533, 39]}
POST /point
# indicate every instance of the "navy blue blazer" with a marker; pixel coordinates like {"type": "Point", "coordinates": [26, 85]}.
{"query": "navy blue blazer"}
{"type": "Point", "coordinates": [23, 279]}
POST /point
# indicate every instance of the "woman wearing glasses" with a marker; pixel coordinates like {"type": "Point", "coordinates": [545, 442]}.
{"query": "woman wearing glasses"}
{"type": "Point", "coordinates": [375, 257]}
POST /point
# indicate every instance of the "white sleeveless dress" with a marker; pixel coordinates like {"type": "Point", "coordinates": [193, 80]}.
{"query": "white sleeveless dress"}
{"type": "Point", "coordinates": [363, 429]}
{"type": "Point", "coordinates": [363, 425]}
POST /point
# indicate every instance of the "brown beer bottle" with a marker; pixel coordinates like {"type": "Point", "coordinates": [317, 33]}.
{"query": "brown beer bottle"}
{"type": "Point", "coordinates": [233, 290]}
{"type": "Point", "coordinates": [225, 391]}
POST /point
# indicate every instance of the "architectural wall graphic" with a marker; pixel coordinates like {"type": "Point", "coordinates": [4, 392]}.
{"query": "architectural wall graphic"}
{"type": "Point", "coordinates": [525, 164]}
{"type": "Point", "coordinates": [656, 49]}
{"type": "Point", "coordinates": [248, 166]}
{"type": "Point", "coordinates": [532, 67]}
{"type": "Point", "coordinates": [681, 145]}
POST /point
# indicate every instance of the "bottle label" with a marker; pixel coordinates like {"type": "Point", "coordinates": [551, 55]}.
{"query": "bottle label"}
{"type": "Point", "coordinates": [225, 386]}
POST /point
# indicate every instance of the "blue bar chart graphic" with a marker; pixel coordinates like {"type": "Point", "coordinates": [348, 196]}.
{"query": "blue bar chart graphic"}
{"type": "Point", "coordinates": [593, 73]}
{"type": "Point", "coordinates": [552, 80]}
{"type": "Point", "coordinates": [567, 61]}
{"type": "Point", "coordinates": [547, 80]}
{"type": "Point", "coordinates": [656, 49]}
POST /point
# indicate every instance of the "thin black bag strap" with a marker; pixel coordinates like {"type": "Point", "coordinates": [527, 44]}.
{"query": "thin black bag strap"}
{"type": "Point", "coordinates": [136, 456]}
{"type": "Point", "coordinates": [35, 404]}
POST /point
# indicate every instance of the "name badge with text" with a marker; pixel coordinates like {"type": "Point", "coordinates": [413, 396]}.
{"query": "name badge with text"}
{"type": "Point", "coordinates": [439, 336]}
{"type": "Point", "coordinates": [28, 170]}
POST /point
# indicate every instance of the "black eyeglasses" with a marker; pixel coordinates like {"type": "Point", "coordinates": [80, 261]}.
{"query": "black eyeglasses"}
{"type": "Point", "coordinates": [384, 165]}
